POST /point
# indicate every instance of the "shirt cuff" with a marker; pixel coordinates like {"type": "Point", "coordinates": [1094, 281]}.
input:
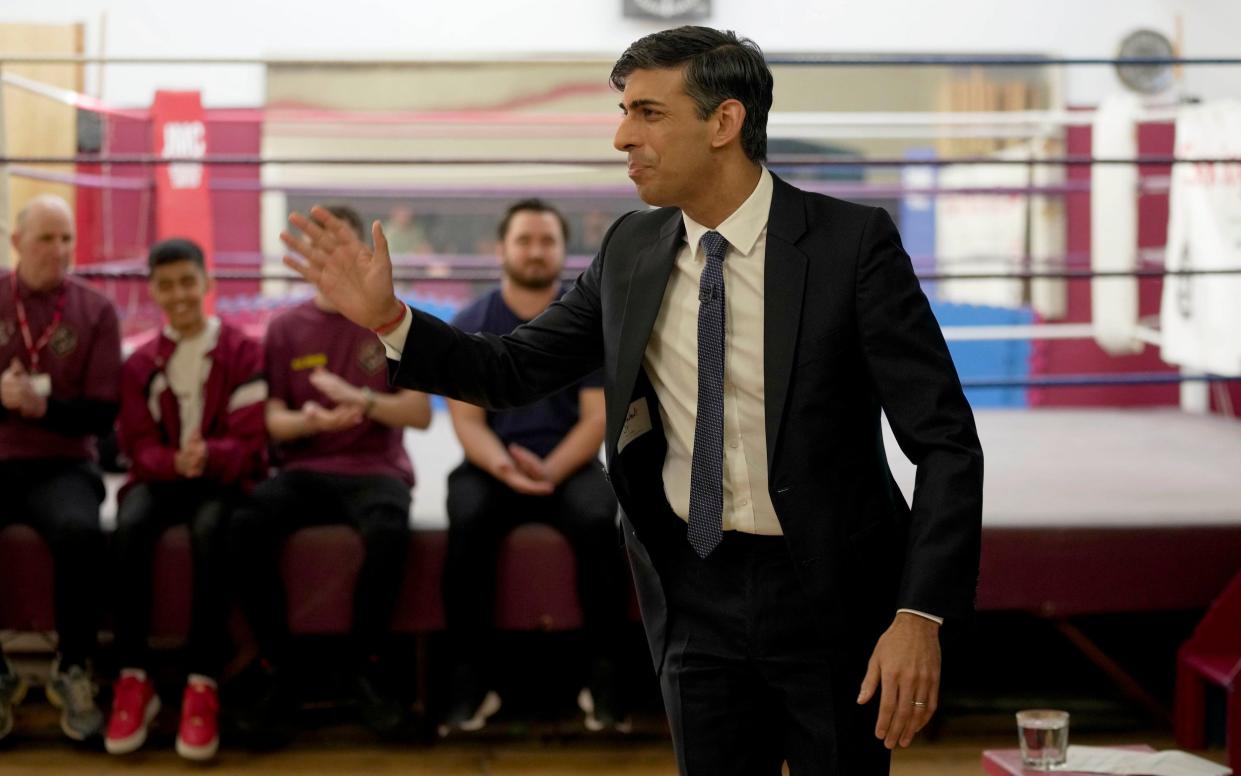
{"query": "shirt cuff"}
{"type": "Point", "coordinates": [931, 617]}
{"type": "Point", "coordinates": [394, 341]}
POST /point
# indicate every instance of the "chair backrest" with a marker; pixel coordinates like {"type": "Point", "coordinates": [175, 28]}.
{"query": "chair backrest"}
{"type": "Point", "coordinates": [1219, 631]}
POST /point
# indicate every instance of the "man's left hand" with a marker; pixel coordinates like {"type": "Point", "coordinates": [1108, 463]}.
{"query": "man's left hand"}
{"type": "Point", "coordinates": [906, 665]}
{"type": "Point", "coordinates": [532, 465]}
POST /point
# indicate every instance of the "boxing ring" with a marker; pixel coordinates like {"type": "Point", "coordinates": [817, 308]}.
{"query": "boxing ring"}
{"type": "Point", "coordinates": [1113, 487]}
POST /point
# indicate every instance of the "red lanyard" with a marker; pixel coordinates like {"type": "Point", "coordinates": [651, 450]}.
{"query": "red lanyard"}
{"type": "Point", "coordinates": [33, 347]}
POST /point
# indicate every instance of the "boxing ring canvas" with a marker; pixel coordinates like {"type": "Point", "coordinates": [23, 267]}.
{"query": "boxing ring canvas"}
{"type": "Point", "coordinates": [1063, 486]}
{"type": "Point", "coordinates": [1094, 511]}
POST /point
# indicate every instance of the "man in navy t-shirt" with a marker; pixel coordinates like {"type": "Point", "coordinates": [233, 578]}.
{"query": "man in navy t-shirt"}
{"type": "Point", "coordinates": [537, 463]}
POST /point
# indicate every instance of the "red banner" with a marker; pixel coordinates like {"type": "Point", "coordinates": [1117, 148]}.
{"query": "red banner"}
{"type": "Point", "coordinates": [182, 197]}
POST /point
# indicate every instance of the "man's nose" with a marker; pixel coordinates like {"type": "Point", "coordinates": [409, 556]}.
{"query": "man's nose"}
{"type": "Point", "coordinates": [624, 139]}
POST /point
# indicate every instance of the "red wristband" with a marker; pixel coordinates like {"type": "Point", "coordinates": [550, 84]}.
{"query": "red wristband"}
{"type": "Point", "coordinates": [392, 324]}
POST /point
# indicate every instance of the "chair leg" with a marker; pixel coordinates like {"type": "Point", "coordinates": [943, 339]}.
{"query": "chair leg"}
{"type": "Point", "coordinates": [1189, 715]}
{"type": "Point", "coordinates": [1232, 722]}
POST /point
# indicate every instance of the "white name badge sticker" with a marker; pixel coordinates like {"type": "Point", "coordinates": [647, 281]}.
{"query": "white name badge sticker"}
{"type": "Point", "coordinates": [637, 423]}
{"type": "Point", "coordinates": [41, 384]}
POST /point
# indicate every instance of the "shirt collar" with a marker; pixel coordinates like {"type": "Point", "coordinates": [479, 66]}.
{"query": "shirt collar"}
{"type": "Point", "coordinates": [26, 292]}
{"type": "Point", "coordinates": [208, 335]}
{"type": "Point", "coordinates": [743, 227]}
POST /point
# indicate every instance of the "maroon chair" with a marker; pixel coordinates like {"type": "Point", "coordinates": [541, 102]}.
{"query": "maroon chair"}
{"type": "Point", "coordinates": [173, 584]}
{"type": "Point", "coordinates": [26, 584]}
{"type": "Point", "coordinates": [1212, 654]}
{"type": "Point", "coordinates": [536, 581]}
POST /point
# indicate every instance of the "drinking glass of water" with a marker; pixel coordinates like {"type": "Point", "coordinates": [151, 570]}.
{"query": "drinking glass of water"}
{"type": "Point", "coordinates": [1044, 736]}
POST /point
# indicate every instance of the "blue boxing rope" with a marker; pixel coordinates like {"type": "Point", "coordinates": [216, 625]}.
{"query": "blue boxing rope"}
{"type": "Point", "coordinates": [1091, 380]}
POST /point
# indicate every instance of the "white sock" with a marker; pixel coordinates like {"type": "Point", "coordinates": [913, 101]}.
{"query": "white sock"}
{"type": "Point", "coordinates": [201, 679]}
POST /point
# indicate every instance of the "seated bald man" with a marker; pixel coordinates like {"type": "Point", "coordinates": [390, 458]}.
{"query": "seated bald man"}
{"type": "Point", "coordinates": [61, 355]}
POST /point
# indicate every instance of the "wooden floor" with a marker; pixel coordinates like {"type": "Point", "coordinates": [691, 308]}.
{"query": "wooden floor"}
{"type": "Point", "coordinates": [330, 743]}
{"type": "Point", "coordinates": [957, 757]}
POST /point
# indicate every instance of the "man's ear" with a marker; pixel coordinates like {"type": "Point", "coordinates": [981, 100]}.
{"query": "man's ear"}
{"type": "Point", "coordinates": [728, 119]}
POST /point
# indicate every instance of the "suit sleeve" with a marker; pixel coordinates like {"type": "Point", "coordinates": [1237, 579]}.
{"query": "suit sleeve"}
{"type": "Point", "coordinates": [235, 453]}
{"type": "Point", "coordinates": [921, 395]}
{"type": "Point", "coordinates": [538, 358]}
{"type": "Point", "coordinates": [139, 435]}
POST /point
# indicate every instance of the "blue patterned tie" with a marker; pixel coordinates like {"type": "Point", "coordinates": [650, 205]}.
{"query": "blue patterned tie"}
{"type": "Point", "coordinates": [706, 482]}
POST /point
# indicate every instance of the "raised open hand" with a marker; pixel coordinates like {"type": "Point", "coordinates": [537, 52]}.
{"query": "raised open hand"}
{"type": "Point", "coordinates": [355, 279]}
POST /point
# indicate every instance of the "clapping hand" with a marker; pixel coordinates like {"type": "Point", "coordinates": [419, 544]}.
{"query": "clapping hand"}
{"type": "Point", "coordinates": [191, 460]}
{"type": "Point", "coordinates": [339, 418]}
{"type": "Point", "coordinates": [337, 388]}
{"type": "Point", "coordinates": [17, 391]}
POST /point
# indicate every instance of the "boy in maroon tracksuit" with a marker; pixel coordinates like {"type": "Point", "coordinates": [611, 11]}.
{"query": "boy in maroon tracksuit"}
{"type": "Point", "coordinates": [192, 423]}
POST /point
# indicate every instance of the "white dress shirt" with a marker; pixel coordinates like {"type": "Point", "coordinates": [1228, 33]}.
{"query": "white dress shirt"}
{"type": "Point", "coordinates": [671, 361]}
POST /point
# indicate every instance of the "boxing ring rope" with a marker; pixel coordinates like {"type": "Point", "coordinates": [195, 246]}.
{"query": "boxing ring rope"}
{"type": "Point", "coordinates": [1152, 185]}
{"type": "Point", "coordinates": [798, 160]}
{"type": "Point", "coordinates": [538, 59]}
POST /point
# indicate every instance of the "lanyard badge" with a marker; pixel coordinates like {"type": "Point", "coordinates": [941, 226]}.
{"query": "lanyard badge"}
{"type": "Point", "coordinates": [41, 383]}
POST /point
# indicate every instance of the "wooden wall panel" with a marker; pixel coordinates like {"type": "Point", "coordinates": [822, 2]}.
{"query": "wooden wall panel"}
{"type": "Point", "coordinates": [35, 125]}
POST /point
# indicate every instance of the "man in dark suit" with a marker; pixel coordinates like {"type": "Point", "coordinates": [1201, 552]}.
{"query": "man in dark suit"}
{"type": "Point", "coordinates": [750, 334]}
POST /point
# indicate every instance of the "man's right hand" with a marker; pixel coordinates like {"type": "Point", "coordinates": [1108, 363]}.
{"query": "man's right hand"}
{"type": "Point", "coordinates": [354, 278]}
{"type": "Point", "coordinates": [13, 385]}
{"type": "Point", "coordinates": [339, 418]}
{"type": "Point", "coordinates": [505, 470]}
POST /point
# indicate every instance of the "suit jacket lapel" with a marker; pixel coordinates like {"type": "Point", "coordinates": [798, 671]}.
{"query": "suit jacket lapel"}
{"type": "Point", "coordinates": [784, 284]}
{"type": "Point", "coordinates": [643, 297]}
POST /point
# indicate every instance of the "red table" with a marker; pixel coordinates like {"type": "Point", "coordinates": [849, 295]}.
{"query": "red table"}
{"type": "Point", "coordinates": [1007, 762]}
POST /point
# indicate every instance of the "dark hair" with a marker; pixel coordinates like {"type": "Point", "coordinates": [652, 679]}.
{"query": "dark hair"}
{"type": "Point", "coordinates": [534, 205]}
{"type": "Point", "coordinates": [349, 216]}
{"type": "Point", "coordinates": [718, 66]}
{"type": "Point", "coordinates": [175, 249]}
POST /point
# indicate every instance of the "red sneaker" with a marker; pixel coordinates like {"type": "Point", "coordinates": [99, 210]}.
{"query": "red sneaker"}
{"type": "Point", "coordinates": [198, 738]}
{"type": "Point", "coordinates": [134, 705]}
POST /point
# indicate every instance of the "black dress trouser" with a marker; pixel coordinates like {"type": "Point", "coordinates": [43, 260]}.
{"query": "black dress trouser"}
{"type": "Point", "coordinates": [145, 513]}
{"type": "Point", "coordinates": [376, 506]}
{"type": "Point", "coordinates": [60, 499]}
{"type": "Point", "coordinates": [482, 511]}
{"type": "Point", "coordinates": [750, 679]}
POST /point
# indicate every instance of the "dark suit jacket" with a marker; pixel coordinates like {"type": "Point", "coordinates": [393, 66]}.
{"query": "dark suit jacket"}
{"type": "Point", "coordinates": [847, 332]}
